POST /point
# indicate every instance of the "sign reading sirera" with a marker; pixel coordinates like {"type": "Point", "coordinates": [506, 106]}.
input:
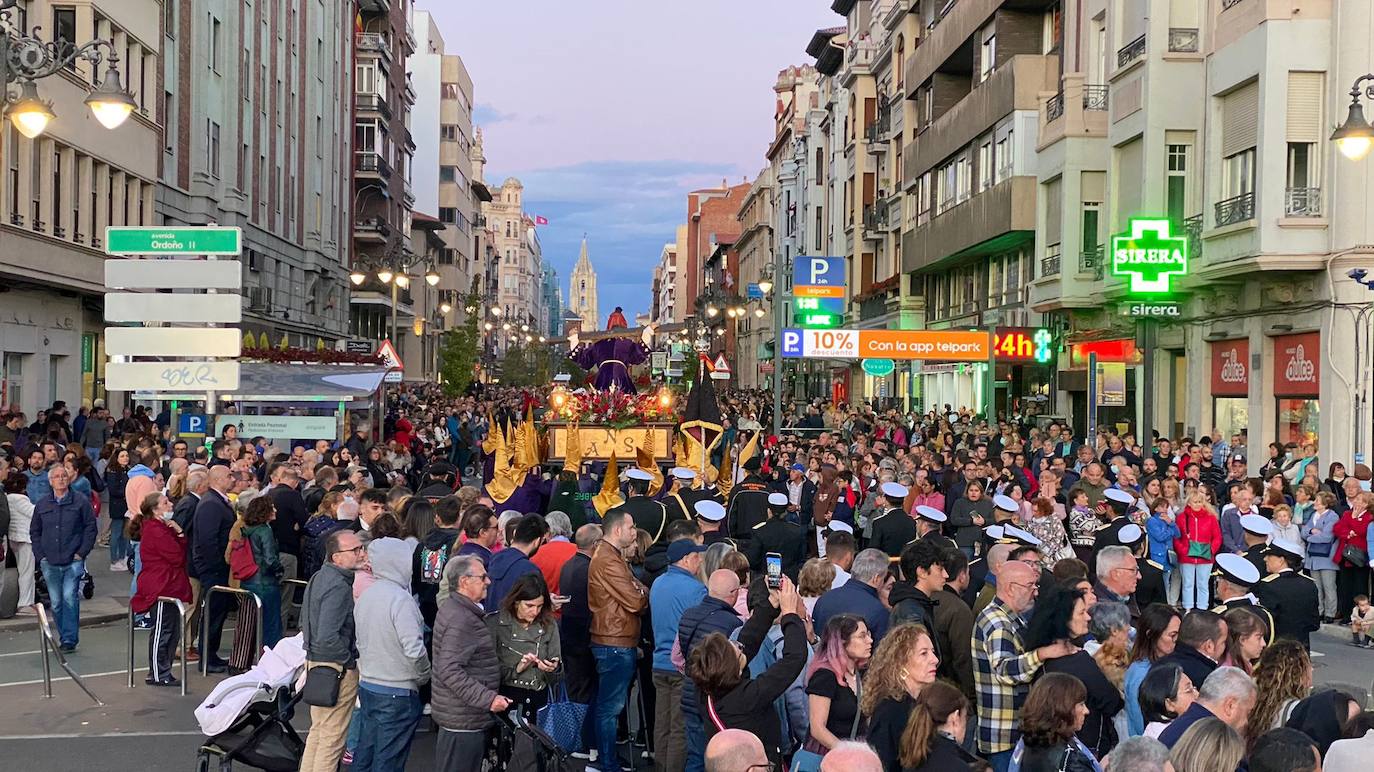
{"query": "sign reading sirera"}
{"type": "Point", "coordinates": [1148, 255]}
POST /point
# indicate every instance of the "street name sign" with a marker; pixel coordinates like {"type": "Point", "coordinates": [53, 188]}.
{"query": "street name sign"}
{"type": "Point", "coordinates": [212, 240]}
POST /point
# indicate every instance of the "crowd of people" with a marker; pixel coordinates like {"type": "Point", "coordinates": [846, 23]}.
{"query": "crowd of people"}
{"type": "Point", "coordinates": [867, 589]}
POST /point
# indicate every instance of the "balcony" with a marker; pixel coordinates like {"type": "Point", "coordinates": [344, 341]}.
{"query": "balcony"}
{"type": "Point", "coordinates": [1130, 52]}
{"type": "Point", "coordinates": [995, 220]}
{"type": "Point", "coordinates": [370, 164]}
{"type": "Point", "coordinates": [1049, 265]}
{"type": "Point", "coordinates": [1090, 261]}
{"type": "Point", "coordinates": [407, 194]}
{"type": "Point", "coordinates": [372, 229]}
{"type": "Point", "coordinates": [374, 6]}
{"type": "Point", "coordinates": [1095, 97]}
{"type": "Point", "coordinates": [1054, 107]}
{"type": "Point", "coordinates": [1192, 228]}
{"type": "Point", "coordinates": [948, 44]}
{"type": "Point", "coordinates": [1235, 209]}
{"type": "Point", "coordinates": [877, 131]}
{"type": "Point", "coordinates": [1302, 202]}
{"type": "Point", "coordinates": [1183, 40]}
{"type": "Point", "coordinates": [410, 90]}
{"type": "Point", "coordinates": [875, 220]}
{"type": "Point", "coordinates": [373, 43]}
{"type": "Point", "coordinates": [373, 103]}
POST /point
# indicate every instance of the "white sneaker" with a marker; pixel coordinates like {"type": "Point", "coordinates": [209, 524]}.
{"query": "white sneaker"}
{"type": "Point", "coordinates": [119, 567]}
{"type": "Point", "coordinates": [426, 710]}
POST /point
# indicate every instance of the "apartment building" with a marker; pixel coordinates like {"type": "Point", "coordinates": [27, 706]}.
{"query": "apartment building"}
{"type": "Point", "coordinates": [753, 332]}
{"type": "Point", "coordinates": [518, 255]}
{"type": "Point", "coordinates": [382, 193]}
{"type": "Point", "coordinates": [63, 187]}
{"type": "Point", "coordinates": [969, 169]}
{"type": "Point", "coordinates": [258, 134]}
{"type": "Point", "coordinates": [551, 304]}
{"type": "Point", "coordinates": [665, 305]}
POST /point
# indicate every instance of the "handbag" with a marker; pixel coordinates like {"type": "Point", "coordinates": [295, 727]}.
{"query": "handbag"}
{"type": "Point", "coordinates": [87, 586]}
{"type": "Point", "coordinates": [1198, 549]}
{"type": "Point", "coordinates": [242, 565]}
{"type": "Point", "coordinates": [1355, 556]}
{"type": "Point", "coordinates": [562, 719]}
{"type": "Point", "coordinates": [321, 687]}
{"type": "Point", "coordinates": [1319, 549]}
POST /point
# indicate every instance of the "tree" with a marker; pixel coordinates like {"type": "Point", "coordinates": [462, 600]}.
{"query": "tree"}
{"type": "Point", "coordinates": [458, 356]}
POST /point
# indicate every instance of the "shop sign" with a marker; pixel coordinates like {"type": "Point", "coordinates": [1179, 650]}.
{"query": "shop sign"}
{"type": "Point", "coordinates": [818, 277]}
{"type": "Point", "coordinates": [938, 345]}
{"type": "Point", "coordinates": [879, 367]}
{"type": "Point", "coordinates": [1231, 368]}
{"type": "Point", "coordinates": [87, 352]}
{"type": "Point", "coordinates": [282, 427]}
{"type": "Point", "coordinates": [1152, 310]}
{"type": "Point", "coordinates": [1297, 365]}
{"type": "Point", "coordinates": [1148, 255]}
{"type": "Point", "coordinates": [1023, 344]}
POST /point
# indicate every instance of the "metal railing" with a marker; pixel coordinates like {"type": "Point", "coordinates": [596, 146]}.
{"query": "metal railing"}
{"type": "Point", "coordinates": [50, 643]}
{"type": "Point", "coordinates": [289, 588]}
{"type": "Point", "coordinates": [1302, 202]}
{"type": "Point", "coordinates": [1183, 40]}
{"type": "Point", "coordinates": [370, 102]}
{"type": "Point", "coordinates": [1090, 260]}
{"type": "Point", "coordinates": [1054, 108]}
{"type": "Point", "coordinates": [181, 625]}
{"type": "Point", "coordinates": [368, 161]}
{"type": "Point", "coordinates": [1227, 5]}
{"type": "Point", "coordinates": [205, 653]}
{"type": "Point", "coordinates": [1050, 265]}
{"type": "Point", "coordinates": [373, 41]}
{"type": "Point", "coordinates": [1192, 228]}
{"type": "Point", "coordinates": [1130, 52]}
{"type": "Point", "coordinates": [1235, 209]}
{"type": "Point", "coordinates": [1095, 97]}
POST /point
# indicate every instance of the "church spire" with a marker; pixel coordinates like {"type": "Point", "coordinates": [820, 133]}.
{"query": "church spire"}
{"type": "Point", "coordinates": [582, 289]}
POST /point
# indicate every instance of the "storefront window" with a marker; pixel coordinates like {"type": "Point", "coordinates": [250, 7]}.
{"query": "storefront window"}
{"type": "Point", "coordinates": [1231, 415]}
{"type": "Point", "coordinates": [1297, 420]}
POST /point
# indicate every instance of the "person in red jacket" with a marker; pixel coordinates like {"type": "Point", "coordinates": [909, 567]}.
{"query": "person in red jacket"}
{"type": "Point", "coordinates": [1197, 546]}
{"type": "Point", "coordinates": [1352, 530]}
{"type": "Point", "coordinates": [163, 549]}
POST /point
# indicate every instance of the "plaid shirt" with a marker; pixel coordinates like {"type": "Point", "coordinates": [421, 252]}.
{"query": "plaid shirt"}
{"type": "Point", "coordinates": [1002, 673]}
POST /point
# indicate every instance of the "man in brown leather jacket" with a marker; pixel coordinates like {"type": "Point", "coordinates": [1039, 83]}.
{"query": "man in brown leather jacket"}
{"type": "Point", "coordinates": [616, 599]}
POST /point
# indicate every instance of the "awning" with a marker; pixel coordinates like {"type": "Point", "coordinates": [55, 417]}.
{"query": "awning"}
{"type": "Point", "coordinates": [269, 382]}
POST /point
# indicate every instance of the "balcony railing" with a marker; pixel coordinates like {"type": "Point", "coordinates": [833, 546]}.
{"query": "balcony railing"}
{"type": "Point", "coordinates": [1049, 266]}
{"type": "Point", "coordinates": [941, 14]}
{"type": "Point", "coordinates": [374, 103]}
{"type": "Point", "coordinates": [1183, 40]}
{"type": "Point", "coordinates": [1302, 202]}
{"type": "Point", "coordinates": [1054, 108]}
{"type": "Point", "coordinates": [1192, 228]}
{"type": "Point", "coordinates": [1235, 209]}
{"type": "Point", "coordinates": [1130, 52]}
{"type": "Point", "coordinates": [365, 161]}
{"type": "Point", "coordinates": [376, 42]}
{"type": "Point", "coordinates": [875, 217]}
{"type": "Point", "coordinates": [373, 225]}
{"type": "Point", "coordinates": [861, 54]}
{"type": "Point", "coordinates": [407, 193]}
{"type": "Point", "coordinates": [1095, 97]}
{"type": "Point", "coordinates": [1090, 261]}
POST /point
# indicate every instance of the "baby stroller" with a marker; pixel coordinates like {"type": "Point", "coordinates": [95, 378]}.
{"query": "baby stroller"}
{"type": "Point", "coordinates": [523, 747]}
{"type": "Point", "coordinates": [247, 718]}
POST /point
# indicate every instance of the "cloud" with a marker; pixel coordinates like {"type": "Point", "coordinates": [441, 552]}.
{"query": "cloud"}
{"type": "Point", "coordinates": [628, 211]}
{"type": "Point", "coordinates": [487, 115]}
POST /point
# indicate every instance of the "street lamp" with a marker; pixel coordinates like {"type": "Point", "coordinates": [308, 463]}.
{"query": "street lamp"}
{"type": "Point", "coordinates": [357, 277]}
{"type": "Point", "coordinates": [25, 59]}
{"type": "Point", "coordinates": [432, 278]}
{"type": "Point", "coordinates": [445, 307]}
{"type": "Point", "coordinates": [1355, 137]}
{"type": "Point", "coordinates": [402, 281]}
{"type": "Point", "coordinates": [385, 275]}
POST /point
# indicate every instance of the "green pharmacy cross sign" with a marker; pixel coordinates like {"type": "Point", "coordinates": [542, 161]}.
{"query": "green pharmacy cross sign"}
{"type": "Point", "coordinates": [1149, 255]}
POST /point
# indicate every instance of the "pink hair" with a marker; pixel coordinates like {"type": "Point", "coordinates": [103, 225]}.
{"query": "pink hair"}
{"type": "Point", "coordinates": [830, 654]}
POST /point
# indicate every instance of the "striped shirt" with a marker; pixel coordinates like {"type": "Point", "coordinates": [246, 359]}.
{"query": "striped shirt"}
{"type": "Point", "coordinates": [1002, 674]}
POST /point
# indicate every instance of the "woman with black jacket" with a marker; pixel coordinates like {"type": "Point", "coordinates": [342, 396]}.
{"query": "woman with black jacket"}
{"type": "Point", "coordinates": [727, 697]}
{"type": "Point", "coordinates": [1061, 614]}
{"type": "Point", "coordinates": [931, 740]}
{"type": "Point", "coordinates": [1050, 719]}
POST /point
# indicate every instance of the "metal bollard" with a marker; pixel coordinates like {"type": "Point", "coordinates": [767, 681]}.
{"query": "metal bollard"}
{"type": "Point", "coordinates": [43, 647]}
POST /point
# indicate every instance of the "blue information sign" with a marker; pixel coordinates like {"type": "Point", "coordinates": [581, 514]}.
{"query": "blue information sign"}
{"type": "Point", "coordinates": [191, 423]}
{"type": "Point", "coordinates": [818, 272]}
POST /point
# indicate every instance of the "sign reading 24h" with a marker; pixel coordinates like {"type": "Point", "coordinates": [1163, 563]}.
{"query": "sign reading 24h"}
{"type": "Point", "coordinates": [1148, 255]}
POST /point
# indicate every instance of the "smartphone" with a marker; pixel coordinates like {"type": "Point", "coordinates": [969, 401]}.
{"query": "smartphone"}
{"type": "Point", "coordinates": [773, 566]}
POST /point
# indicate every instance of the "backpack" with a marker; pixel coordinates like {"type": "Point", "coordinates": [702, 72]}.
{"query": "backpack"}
{"type": "Point", "coordinates": [242, 565]}
{"type": "Point", "coordinates": [432, 562]}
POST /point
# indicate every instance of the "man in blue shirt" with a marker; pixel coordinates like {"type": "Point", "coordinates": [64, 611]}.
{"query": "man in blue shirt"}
{"type": "Point", "coordinates": [1227, 694]}
{"type": "Point", "coordinates": [63, 534]}
{"type": "Point", "coordinates": [859, 595]}
{"type": "Point", "coordinates": [677, 590]}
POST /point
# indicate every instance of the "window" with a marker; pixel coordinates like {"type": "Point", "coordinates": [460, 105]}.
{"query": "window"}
{"type": "Point", "coordinates": [450, 91]}
{"type": "Point", "coordinates": [370, 79]}
{"type": "Point", "coordinates": [14, 379]}
{"type": "Point", "coordinates": [448, 214]}
{"type": "Point", "coordinates": [1176, 183]}
{"type": "Point", "coordinates": [1089, 218]}
{"type": "Point", "coordinates": [1239, 171]}
{"type": "Point", "coordinates": [448, 132]}
{"type": "Point", "coordinates": [64, 28]}
{"type": "Point", "coordinates": [12, 175]}
{"type": "Point", "coordinates": [987, 54]}
{"type": "Point", "coordinates": [986, 173]}
{"type": "Point", "coordinates": [216, 48]}
{"type": "Point", "coordinates": [448, 174]}
{"type": "Point", "coordinates": [57, 206]}
{"type": "Point", "coordinates": [212, 147]}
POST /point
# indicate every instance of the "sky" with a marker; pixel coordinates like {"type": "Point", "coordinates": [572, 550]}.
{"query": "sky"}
{"type": "Point", "coordinates": [610, 111]}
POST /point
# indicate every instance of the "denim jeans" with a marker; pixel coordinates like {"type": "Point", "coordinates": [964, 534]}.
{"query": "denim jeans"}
{"type": "Point", "coordinates": [138, 568]}
{"type": "Point", "coordinates": [1196, 578]}
{"type": "Point", "coordinates": [64, 593]}
{"type": "Point", "coordinates": [270, 595]}
{"type": "Point", "coordinates": [615, 667]}
{"type": "Point", "coordinates": [119, 542]}
{"type": "Point", "coordinates": [1000, 761]}
{"type": "Point", "coordinates": [696, 743]}
{"type": "Point", "coordinates": [388, 726]}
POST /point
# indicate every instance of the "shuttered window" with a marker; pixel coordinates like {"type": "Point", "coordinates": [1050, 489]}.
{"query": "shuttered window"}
{"type": "Point", "coordinates": [1054, 210]}
{"type": "Point", "coordinates": [1130, 159]}
{"type": "Point", "coordinates": [1094, 186]}
{"type": "Point", "coordinates": [1305, 106]}
{"type": "Point", "coordinates": [1240, 119]}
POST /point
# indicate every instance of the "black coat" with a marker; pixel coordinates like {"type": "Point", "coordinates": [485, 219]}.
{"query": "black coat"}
{"type": "Point", "coordinates": [910, 605]}
{"type": "Point", "coordinates": [214, 518]}
{"type": "Point", "coordinates": [1292, 597]}
{"type": "Point", "coordinates": [1104, 701]}
{"type": "Point", "coordinates": [574, 625]}
{"type": "Point", "coordinates": [1060, 757]}
{"type": "Point", "coordinates": [1196, 664]}
{"type": "Point", "coordinates": [786, 539]}
{"type": "Point", "coordinates": [945, 756]}
{"type": "Point", "coordinates": [885, 728]}
{"type": "Point", "coordinates": [289, 523]}
{"type": "Point", "coordinates": [749, 706]}
{"type": "Point", "coordinates": [892, 531]}
{"type": "Point", "coordinates": [747, 508]}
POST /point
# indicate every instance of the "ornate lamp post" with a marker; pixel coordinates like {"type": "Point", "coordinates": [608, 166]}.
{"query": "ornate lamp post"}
{"type": "Point", "coordinates": [25, 59]}
{"type": "Point", "coordinates": [1355, 137]}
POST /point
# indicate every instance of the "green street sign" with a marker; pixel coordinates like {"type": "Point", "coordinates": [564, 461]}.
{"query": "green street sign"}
{"type": "Point", "coordinates": [172, 241]}
{"type": "Point", "coordinates": [879, 367]}
{"type": "Point", "coordinates": [1148, 254]}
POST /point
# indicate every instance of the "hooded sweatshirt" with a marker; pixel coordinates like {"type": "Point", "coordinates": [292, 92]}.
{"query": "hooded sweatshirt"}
{"type": "Point", "coordinates": [505, 567]}
{"type": "Point", "coordinates": [142, 481]}
{"type": "Point", "coordinates": [391, 644]}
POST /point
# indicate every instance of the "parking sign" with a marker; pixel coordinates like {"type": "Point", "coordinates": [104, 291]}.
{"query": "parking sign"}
{"type": "Point", "coordinates": [791, 343]}
{"type": "Point", "coordinates": [191, 423]}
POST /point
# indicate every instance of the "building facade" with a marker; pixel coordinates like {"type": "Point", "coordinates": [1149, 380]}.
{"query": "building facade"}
{"type": "Point", "coordinates": [756, 244]}
{"type": "Point", "coordinates": [259, 132]}
{"type": "Point", "coordinates": [61, 189]}
{"type": "Point", "coordinates": [382, 192]}
{"type": "Point", "coordinates": [582, 291]}
{"type": "Point", "coordinates": [519, 260]}
{"type": "Point", "coordinates": [551, 323]}
{"type": "Point", "coordinates": [664, 288]}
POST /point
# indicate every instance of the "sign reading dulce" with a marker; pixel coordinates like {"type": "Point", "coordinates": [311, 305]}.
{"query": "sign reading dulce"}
{"type": "Point", "coordinates": [1297, 365]}
{"type": "Point", "coordinates": [1231, 368]}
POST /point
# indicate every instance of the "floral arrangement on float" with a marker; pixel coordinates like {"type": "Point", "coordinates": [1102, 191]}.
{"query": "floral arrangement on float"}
{"type": "Point", "coordinates": [614, 408]}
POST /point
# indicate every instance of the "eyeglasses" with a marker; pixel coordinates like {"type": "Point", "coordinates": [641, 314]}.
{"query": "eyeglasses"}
{"type": "Point", "coordinates": [358, 548]}
{"type": "Point", "coordinates": [766, 767]}
{"type": "Point", "coordinates": [483, 577]}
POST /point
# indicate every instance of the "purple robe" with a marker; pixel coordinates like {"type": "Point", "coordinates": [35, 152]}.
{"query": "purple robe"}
{"type": "Point", "coordinates": [612, 358]}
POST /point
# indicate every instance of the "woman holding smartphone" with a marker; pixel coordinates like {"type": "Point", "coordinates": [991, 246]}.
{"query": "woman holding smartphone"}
{"type": "Point", "coordinates": [527, 645]}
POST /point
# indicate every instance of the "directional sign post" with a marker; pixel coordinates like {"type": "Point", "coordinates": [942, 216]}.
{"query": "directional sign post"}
{"type": "Point", "coordinates": [172, 241]}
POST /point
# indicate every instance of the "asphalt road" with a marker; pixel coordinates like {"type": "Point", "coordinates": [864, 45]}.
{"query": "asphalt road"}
{"type": "Point", "coordinates": [145, 728]}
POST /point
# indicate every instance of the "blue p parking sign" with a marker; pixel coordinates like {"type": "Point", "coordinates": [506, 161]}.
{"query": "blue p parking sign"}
{"type": "Point", "coordinates": [191, 423]}
{"type": "Point", "coordinates": [791, 343]}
